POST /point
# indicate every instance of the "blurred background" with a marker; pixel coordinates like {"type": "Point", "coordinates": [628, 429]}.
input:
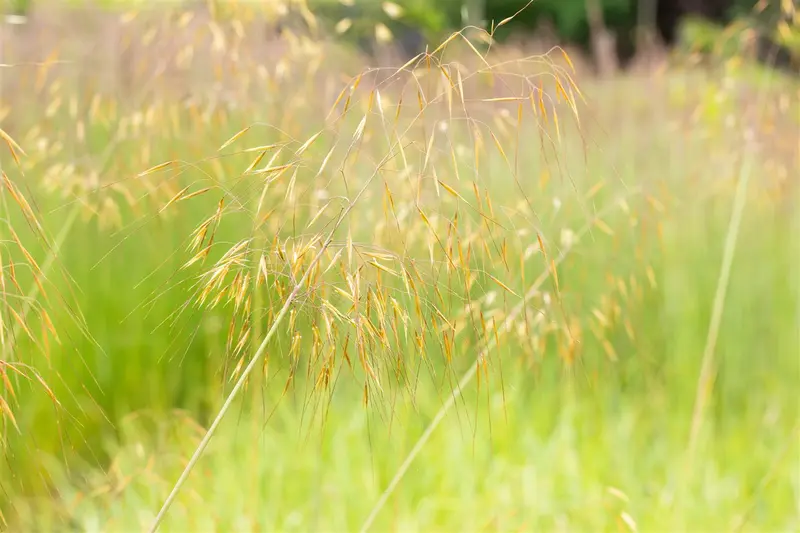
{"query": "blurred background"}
{"type": "Point", "coordinates": [551, 254]}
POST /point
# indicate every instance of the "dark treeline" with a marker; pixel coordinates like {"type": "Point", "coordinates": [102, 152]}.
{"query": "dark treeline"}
{"type": "Point", "coordinates": [573, 21]}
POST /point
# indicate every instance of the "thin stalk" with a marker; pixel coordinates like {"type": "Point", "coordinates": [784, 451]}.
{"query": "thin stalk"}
{"type": "Point", "coordinates": [705, 380]}
{"type": "Point", "coordinates": [229, 400]}
{"type": "Point", "coordinates": [257, 356]}
{"type": "Point", "coordinates": [470, 373]}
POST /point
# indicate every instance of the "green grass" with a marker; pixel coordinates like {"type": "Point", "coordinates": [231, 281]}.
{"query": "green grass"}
{"type": "Point", "coordinates": [582, 421]}
{"type": "Point", "coordinates": [556, 462]}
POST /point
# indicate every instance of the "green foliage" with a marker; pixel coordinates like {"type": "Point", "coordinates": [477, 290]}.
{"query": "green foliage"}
{"type": "Point", "coordinates": [570, 18]}
{"type": "Point", "coordinates": [431, 19]}
{"type": "Point", "coordinates": [17, 7]}
{"type": "Point", "coordinates": [751, 35]}
{"type": "Point", "coordinates": [579, 417]}
{"type": "Point", "coordinates": [699, 35]}
{"type": "Point", "coordinates": [435, 18]}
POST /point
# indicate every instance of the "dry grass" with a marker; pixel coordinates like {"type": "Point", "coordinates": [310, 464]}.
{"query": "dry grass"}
{"type": "Point", "coordinates": [377, 282]}
{"type": "Point", "coordinates": [381, 232]}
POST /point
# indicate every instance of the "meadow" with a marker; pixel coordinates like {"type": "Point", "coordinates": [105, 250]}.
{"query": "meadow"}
{"type": "Point", "coordinates": [480, 291]}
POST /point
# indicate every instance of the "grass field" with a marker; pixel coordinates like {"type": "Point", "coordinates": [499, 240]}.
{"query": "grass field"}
{"type": "Point", "coordinates": [456, 225]}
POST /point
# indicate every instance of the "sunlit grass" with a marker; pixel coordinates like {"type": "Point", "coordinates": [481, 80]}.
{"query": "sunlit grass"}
{"type": "Point", "coordinates": [188, 224]}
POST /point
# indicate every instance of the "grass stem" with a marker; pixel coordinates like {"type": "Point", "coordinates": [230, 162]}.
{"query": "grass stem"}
{"type": "Point", "coordinates": [467, 377]}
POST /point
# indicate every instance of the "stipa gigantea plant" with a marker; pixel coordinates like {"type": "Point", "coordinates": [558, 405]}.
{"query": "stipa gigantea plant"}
{"type": "Point", "coordinates": [506, 326]}
{"type": "Point", "coordinates": [436, 265]}
{"type": "Point", "coordinates": [433, 252]}
{"type": "Point", "coordinates": [62, 166]}
{"type": "Point", "coordinates": [90, 183]}
{"type": "Point", "coordinates": [93, 182]}
{"type": "Point", "coordinates": [25, 315]}
{"type": "Point", "coordinates": [38, 294]}
{"type": "Point", "coordinates": [421, 270]}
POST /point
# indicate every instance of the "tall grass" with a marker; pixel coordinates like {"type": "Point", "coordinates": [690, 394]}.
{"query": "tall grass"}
{"type": "Point", "coordinates": [463, 213]}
